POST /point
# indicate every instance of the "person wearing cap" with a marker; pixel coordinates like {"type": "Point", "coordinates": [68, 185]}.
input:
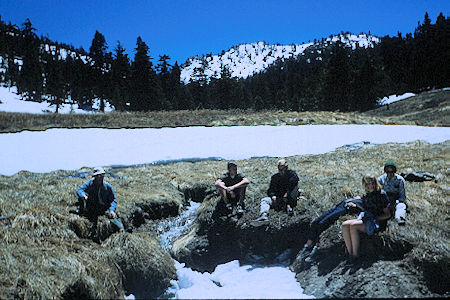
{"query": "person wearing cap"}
{"type": "Point", "coordinates": [96, 197]}
{"type": "Point", "coordinates": [394, 186]}
{"type": "Point", "coordinates": [282, 193]}
{"type": "Point", "coordinates": [231, 186]}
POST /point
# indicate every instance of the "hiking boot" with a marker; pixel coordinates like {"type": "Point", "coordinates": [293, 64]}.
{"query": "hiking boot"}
{"type": "Point", "coordinates": [312, 255]}
{"type": "Point", "coordinates": [289, 210]}
{"type": "Point", "coordinates": [240, 210]}
{"type": "Point", "coordinates": [400, 221]}
{"type": "Point", "coordinates": [304, 253]}
{"type": "Point", "coordinates": [263, 220]}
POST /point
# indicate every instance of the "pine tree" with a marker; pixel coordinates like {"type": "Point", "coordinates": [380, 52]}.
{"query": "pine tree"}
{"type": "Point", "coordinates": [120, 78]}
{"type": "Point", "coordinates": [164, 75]}
{"type": "Point", "coordinates": [146, 91]}
{"type": "Point", "coordinates": [100, 67]}
{"type": "Point", "coordinates": [337, 79]}
{"type": "Point", "coordinates": [30, 83]}
{"type": "Point", "coordinates": [54, 81]}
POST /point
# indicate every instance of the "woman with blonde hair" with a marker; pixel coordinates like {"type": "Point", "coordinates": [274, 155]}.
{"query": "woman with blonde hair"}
{"type": "Point", "coordinates": [371, 220]}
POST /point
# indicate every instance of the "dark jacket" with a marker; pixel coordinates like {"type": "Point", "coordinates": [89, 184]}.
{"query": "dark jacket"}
{"type": "Point", "coordinates": [279, 185]}
{"type": "Point", "coordinates": [103, 198]}
{"type": "Point", "coordinates": [374, 203]}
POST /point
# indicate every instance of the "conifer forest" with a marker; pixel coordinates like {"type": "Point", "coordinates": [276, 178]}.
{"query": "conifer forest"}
{"type": "Point", "coordinates": [336, 78]}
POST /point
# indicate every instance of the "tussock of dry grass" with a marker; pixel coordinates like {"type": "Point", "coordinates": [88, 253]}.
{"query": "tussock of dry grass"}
{"type": "Point", "coordinates": [46, 253]}
{"type": "Point", "coordinates": [142, 262]}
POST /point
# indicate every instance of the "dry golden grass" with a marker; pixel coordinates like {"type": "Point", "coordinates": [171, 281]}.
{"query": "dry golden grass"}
{"type": "Point", "coordinates": [15, 122]}
{"type": "Point", "coordinates": [45, 252]}
{"type": "Point", "coordinates": [428, 108]}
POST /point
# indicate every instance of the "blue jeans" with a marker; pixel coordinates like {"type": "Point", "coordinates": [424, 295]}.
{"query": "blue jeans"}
{"type": "Point", "coordinates": [324, 221]}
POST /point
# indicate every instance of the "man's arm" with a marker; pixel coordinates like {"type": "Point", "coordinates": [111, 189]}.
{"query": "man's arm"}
{"type": "Point", "coordinates": [113, 200]}
{"type": "Point", "coordinates": [272, 187]}
{"type": "Point", "coordinates": [81, 191]}
{"type": "Point", "coordinates": [293, 180]}
{"type": "Point", "coordinates": [220, 184]}
{"type": "Point", "coordinates": [402, 194]}
{"type": "Point", "coordinates": [242, 183]}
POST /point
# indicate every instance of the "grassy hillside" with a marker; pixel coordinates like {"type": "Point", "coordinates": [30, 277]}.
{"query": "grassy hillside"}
{"type": "Point", "coordinates": [428, 108]}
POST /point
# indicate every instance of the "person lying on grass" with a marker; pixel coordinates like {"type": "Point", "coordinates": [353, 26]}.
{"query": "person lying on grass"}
{"type": "Point", "coordinates": [372, 220]}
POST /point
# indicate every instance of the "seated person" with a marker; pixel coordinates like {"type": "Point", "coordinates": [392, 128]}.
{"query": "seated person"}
{"type": "Point", "coordinates": [231, 186]}
{"type": "Point", "coordinates": [96, 197]}
{"type": "Point", "coordinates": [372, 220]}
{"type": "Point", "coordinates": [324, 221]}
{"type": "Point", "coordinates": [394, 186]}
{"type": "Point", "coordinates": [282, 193]}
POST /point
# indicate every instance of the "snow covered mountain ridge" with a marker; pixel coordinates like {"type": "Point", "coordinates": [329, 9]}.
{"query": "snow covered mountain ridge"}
{"type": "Point", "coordinates": [247, 59]}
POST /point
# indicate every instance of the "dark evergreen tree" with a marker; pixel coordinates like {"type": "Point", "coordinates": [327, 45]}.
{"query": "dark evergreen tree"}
{"type": "Point", "coordinates": [337, 85]}
{"type": "Point", "coordinates": [100, 68]}
{"type": "Point", "coordinates": [146, 92]}
{"type": "Point", "coordinates": [54, 80]}
{"type": "Point", "coordinates": [30, 81]}
{"type": "Point", "coordinates": [164, 75]}
{"type": "Point", "coordinates": [120, 78]}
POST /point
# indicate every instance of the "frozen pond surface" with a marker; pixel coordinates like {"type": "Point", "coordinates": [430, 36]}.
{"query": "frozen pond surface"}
{"type": "Point", "coordinates": [71, 149]}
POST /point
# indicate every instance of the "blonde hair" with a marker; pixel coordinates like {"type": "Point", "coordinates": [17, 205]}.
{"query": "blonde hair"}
{"type": "Point", "coordinates": [369, 179]}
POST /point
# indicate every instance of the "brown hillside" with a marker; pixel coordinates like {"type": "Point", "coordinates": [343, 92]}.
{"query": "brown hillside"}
{"type": "Point", "coordinates": [428, 108]}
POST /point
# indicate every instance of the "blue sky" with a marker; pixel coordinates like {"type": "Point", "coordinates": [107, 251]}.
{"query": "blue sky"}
{"type": "Point", "coordinates": [182, 28]}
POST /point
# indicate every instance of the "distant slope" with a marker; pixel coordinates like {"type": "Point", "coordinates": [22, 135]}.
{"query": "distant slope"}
{"type": "Point", "coordinates": [247, 59]}
{"type": "Point", "coordinates": [428, 108]}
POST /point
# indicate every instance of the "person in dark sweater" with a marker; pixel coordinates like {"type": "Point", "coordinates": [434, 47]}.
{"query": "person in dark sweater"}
{"type": "Point", "coordinates": [371, 220]}
{"type": "Point", "coordinates": [231, 186]}
{"type": "Point", "coordinates": [281, 195]}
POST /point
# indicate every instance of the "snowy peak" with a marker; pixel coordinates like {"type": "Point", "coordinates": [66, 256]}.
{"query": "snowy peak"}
{"type": "Point", "coordinates": [247, 59]}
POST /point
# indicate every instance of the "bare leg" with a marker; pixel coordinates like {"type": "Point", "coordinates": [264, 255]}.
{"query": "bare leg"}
{"type": "Point", "coordinates": [355, 228]}
{"type": "Point", "coordinates": [241, 193]}
{"type": "Point", "coordinates": [347, 236]}
{"type": "Point", "coordinates": [223, 195]}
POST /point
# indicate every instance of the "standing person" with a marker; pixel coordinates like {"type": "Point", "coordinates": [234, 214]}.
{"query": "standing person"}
{"type": "Point", "coordinates": [231, 186]}
{"type": "Point", "coordinates": [96, 198]}
{"type": "Point", "coordinates": [394, 186]}
{"type": "Point", "coordinates": [371, 220]}
{"type": "Point", "coordinates": [324, 221]}
{"type": "Point", "coordinates": [282, 193]}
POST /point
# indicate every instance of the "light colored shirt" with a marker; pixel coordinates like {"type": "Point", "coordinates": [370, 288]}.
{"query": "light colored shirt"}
{"type": "Point", "coordinates": [394, 188]}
